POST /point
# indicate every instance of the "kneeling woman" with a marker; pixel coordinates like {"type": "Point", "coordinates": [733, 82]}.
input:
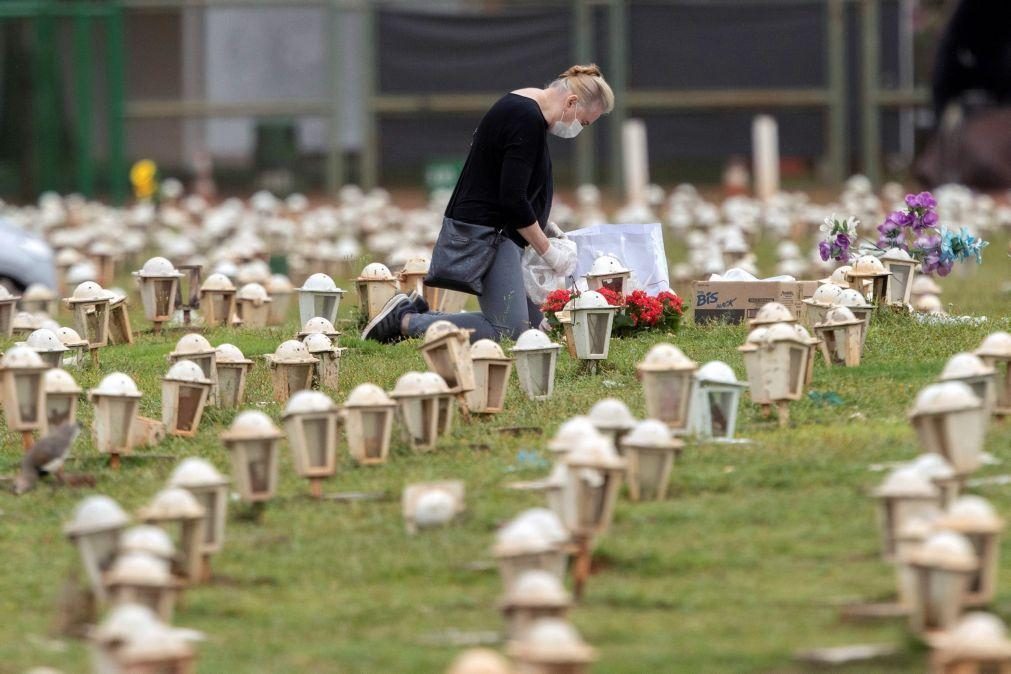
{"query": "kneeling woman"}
{"type": "Point", "coordinates": [506, 184]}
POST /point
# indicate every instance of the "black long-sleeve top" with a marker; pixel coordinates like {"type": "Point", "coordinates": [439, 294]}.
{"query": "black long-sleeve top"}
{"type": "Point", "coordinates": [506, 181]}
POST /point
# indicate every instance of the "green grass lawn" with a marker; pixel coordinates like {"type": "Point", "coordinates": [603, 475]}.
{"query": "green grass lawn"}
{"type": "Point", "coordinates": [746, 562]}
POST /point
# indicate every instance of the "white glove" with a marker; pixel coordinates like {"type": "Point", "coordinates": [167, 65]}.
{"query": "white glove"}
{"type": "Point", "coordinates": [553, 231]}
{"type": "Point", "coordinates": [561, 257]}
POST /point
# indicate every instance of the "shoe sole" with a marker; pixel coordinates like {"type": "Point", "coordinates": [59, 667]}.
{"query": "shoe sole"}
{"type": "Point", "coordinates": [390, 305]}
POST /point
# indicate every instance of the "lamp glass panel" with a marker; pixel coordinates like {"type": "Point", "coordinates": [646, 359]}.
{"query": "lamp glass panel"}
{"type": "Point", "coordinates": [720, 409]}
{"type": "Point", "coordinates": [26, 385]}
{"type": "Point", "coordinates": [315, 431]}
{"type": "Point", "coordinates": [58, 409]}
{"type": "Point", "coordinates": [258, 456]}
{"type": "Point", "coordinates": [374, 432]}
{"type": "Point", "coordinates": [597, 325]}
{"type": "Point", "coordinates": [188, 406]}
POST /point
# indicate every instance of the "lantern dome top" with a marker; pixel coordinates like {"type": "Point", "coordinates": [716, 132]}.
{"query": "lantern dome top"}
{"type": "Point", "coordinates": [217, 282]}
{"type": "Point", "coordinates": [947, 550]}
{"type": "Point", "coordinates": [977, 632]}
{"type": "Point", "coordinates": [192, 344]}
{"type": "Point", "coordinates": [479, 661]}
{"type": "Point", "coordinates": [996, 345]}
{"type": "Point", "coordinates": [840, 316]}
{"type": "Point", "coordinates": [838, 276]}
{"type": "Point", "coordinates": [24, 320]}
{"type": "Point", "coordinates": [66, 257]}
{"type": "Point", "coordinates": [826, 294]}
{"type": "Point", "coordinates": [306, 402]}
{"type": "Point", "coordinates": [367, 395]}
{"type": "Point", "coordinates": [45, 340]}
{"type": "Point", "coordinates": [37, 292]}
{"type": "Point", "coordinates": [440, 329]}
{"type": "Point", "coordinates": [196, 472]}
{"type": "Point", "coordinates": [413, 384]}
{"type": "Point", "coordinates": [537, 587]}
{"type": "Point", "coordinates": [96, 513]}
{"type": "Point", "coordinates": [779, 332]}
{"type": "Point", "coordinates": [279, 284]}
{"type": "Point", "coordinates": [867, 265]}
{"type": "Point", "coordinates": [416, 265]}
{"type": "Point", "coordinates": [649, 433]}
{"type": "Point", "coordinates": [929, 304]}
{"type": "Point", "coordinates": [552, 640]}
{"type": "Point", "coordinates": [377, 271]}
{"type": "Point", "coordinates": [665, 356]}
{"type": "Point", "coordinates": [160, 267]}
{"type": "Point", "coordinates": [117, 384]}
{"type": "Point", "coordinates": [434, 507]}
{"type": "Point", "coordinates": [148, 539]}
{"type": "Point", "coordinates": [570, 432]}
{"type": "Point", "coordinates": [521, 537]}
{"type": "Point", "coordinates": [319, 283]}
{"type": "Point", "coordinates": [963, 365]}
{"type": "Point", "coordinates": [253, 292]}
{"type": "Point", "coordinates": [89, 291]}
{"type": "Point", "coordinates": [851, 298]}
{"type": "Point", "coordinates": [319, 325]}
{"type": "Point", "coordinates": [317, 342]}
{"type": "Point", "coordinates": [607, 265]}
{"type": "Point", "coordinates": [125, 620]}
{"type": "Point", "coordinates": [773, 312]}
{"type": "Point", "coordinates": [229, 353]}
{"type": "Point", "coordinates": [590, 299]}
{"type": "Point", "coordinates": [594, 452]}
{"type": "Point", "coordinates": [906, 481]}
{"type": "Point", "coordinates": [58, 380]}
{"type": "Point", "coordinates": [435, 382]}
{"type": "Point", "coordinates": [896, 255]}
{"type": "Point", "coordinates": [916, 528]}
{"type": "Point", "coordinates": [186, 371]}
{"type": "Point", "coordinates": [251, 425]}
{"type": "Point", "coordinates": [141, 568]}
{"type": "Point", "coordinates": [971, 512]}
{"type": "Point", "coordinates": [611, 413]}
{"type": "Point", "coordinates": [718, 372]}
{"type": "Point", "coordinates": [486, 349]}
{"type": "Point", "coordinates": [757, 336]}
{"type": "Point", "coordinates": [172, 503]}
{"type": "Point", "coordinates": [933, 466]}
{"type": "Point", "coordinates": [949, 396]}
{"type": "Point", "coordinates": [801, 332]}
{"type": "Point", "coordinates": [291, 351]}
{"type": "Point", "coordinates": [925, 285]}
{"type": "Point", "coordinates": [533, 340]}
{"type": "Point", "coordinates": [547, 522]}
{"type": "Point", "coordinates": [158, 642]}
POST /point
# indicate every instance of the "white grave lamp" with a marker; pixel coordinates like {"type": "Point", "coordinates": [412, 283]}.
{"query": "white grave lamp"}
{"type": "Point", "coordinates": [49, 347]}
{"type": "Point", "coordinates": [716, 399]}
{"type": "Point", "coordinates": [572, 432]}
{"type": "Point", "coordinates": [184, 392]}
{"type": "Point", "coordinates": [447, 401]}
{"type": "Point", "coordinates": [195, 348]}
{"type": "Point", "coordinates": [319, 296]}
{"type": "Point", "coordinates": [855, 302]}
{"type": "Point", "coordinates": [319, 326]}
{"type": "Point", "coordinates": [650, 450]}
{"type": "Point", "coordinates": [90, 306]}
{"type": "Point", "coordinates": [536, 359]}
{"type": "Point", "coordinates": [976, 519]}
{"type": "Point", "coordinates": [158, 282]}
{"type": "Point", "coordinates": [281, 290]}
{"type": "Point", "coordinates": [368, 422]}
{"type": "Point", "coordinates": [551, 646]}
{"type": "Point", "coordinates": [786, 358]}
{"type": "Point", "coordinates": [95, 529]}
{"type": "Point", "coordinates": [38, 298]}
{"type": "Point", "coordinates": [905, 494]}
{"type": "Point", "coordinates": [901, 266]}
{"type": "Point", "coordinates": [824, 299]}
{"type": "Point", "coordinates": [326, 372]}
{"type": "Point", "coordinates": [491, 377]}
{"type": "Point", "coordinates": [418, 410]}
{"type": "Point", "coordinates": [869, 271]}
{"type": "Point", "coordinates": [935, 468]}
{"type": "Point", "coordinates": [24, 396]}
{"type": "Point", "coordinates": [446, 350]}
{"type": "Point", "coordinates": [77, 347]}
{"type": "Point", "coordinates": [217, 300]}
{"type": "Point", "coordinates": [667, 377]}
{"type": "Point", "coordinates": [310, 420]}
{"type": "Point", "coordinates": [942, 568]}
{"type": "Point", "coordinates": [534, 594]}
{"type": "Point", "coordinates": [607, 271]}
{"type": "Point", "coordinates": [770, 313]}
{"type": "Point", "coordinates": [949, 420]}
{"type": "Point", "coordinates": [175, 508]}
{"type": "Point", "coordinates": [612, 419]}
{"type": "Point", "coordinates": [427, 505]}
{"type": "Point", "coordinates": [210, 488]}
{"type": "Point", "coordinates": [115, 399]}
{"type": "Point", "coordinates": [412, 276]}
{"type": "Point", "coordinates": [841, 336]}
{"type": "Point", "coordinates": [232, 369]}
{"type": "Point", "coordinates": [591, 321]}
{"type": "Point", "coordinates": [61, 398]}
{"type": "Point", "coordinates": [291, 369]}
{"type": "Point", "coordinates": [996, 352]}
{"type": "Point", "coordinates": [978, 643]}
{"type": "Point", "coordinates": [376, 285]}
{"type": "Point", "coordinates": [251, 441]}
{"type": "Point", "coordinates": [754, 368]}
{"type": "Point", "coordinates": [252, 306]}
{"type": "Point", "coordinates": [140, 578]}
{"type": "Point", "coordinates": [970, 369]}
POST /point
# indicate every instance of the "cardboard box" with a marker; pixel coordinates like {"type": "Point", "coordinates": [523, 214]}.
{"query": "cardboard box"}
{"type": "Point", "coordinates": [738, 301]}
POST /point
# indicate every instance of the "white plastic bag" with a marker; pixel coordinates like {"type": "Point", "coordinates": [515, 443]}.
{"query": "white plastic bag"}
{"type": "Point", "coordinates": [538, 278]}
{"type": "Point", "coordinates": [639, 247]}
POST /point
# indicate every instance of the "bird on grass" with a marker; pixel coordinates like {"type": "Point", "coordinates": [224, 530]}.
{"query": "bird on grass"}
{"type": "Point", "coordinates": [46, 457]}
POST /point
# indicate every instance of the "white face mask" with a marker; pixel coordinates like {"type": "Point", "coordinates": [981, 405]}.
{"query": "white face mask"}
{"type": "Point", "coordinates": [563, 129]}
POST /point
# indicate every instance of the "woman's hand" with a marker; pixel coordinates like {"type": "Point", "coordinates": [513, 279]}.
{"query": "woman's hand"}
{"type": "Point", "coordinates": [533, 235]}
{"type": "Point", "coordinates": [560, 257]}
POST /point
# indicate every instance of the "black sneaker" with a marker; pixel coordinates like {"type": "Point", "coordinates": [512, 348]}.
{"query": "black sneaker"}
{"type": "Point", "coordinates": [385, 327]}
{"type": "Point", "coordinates": [420, 306]}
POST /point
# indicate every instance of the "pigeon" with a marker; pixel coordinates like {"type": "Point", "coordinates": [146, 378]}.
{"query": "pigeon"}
{"type": "Point", "coordinates": [46, 456]}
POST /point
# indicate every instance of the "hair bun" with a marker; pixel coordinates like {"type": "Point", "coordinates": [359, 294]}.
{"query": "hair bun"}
{"type": "Point", "coordinates": [575, 71]}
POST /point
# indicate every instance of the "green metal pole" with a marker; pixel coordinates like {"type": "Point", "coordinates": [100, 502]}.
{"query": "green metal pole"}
{"type": "Point", "coordinates": [370, 147]}
{"type": "Point", "coordinates": [836, 45]}
{"type": "Point", "coordinates": [46, 114]}
{"type": "Point", "coordinates": [618, 78]}
{"type": "Point", "coordinates": [582, 48]}
{"type": "Point", "coordinates": [116, 58]}
{"type": "Point", "coordinates": [870, 119]}
{"type": "Point", "coordinates": [335, 155]}
{"type": "Point", "coordinates": [83, 95]}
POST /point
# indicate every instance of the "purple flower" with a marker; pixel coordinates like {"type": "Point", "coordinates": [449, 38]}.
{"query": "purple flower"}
{"type": "Point", "coordinates": [824, 250]}
{"type": "Point", "coordinates": [944, 267]}
{"type": "Point", "coordinates": [921, 200]}
{"type": "Point", "coordinates": [929, 219]}
{"type": "Point", "coordinates": [890, 229]}
{"type": "Point", "coordinates": [928, 242]}
{"type": "Point", "coordinates": [901, 218]}
{"type": "Point", "coordinates": [842, 241]}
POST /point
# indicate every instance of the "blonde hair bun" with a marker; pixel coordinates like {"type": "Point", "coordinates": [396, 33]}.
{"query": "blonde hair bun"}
{"type": "Point", "coordinates": [587, 82]}
{"type": "Point", "coordinates": [592, 69]}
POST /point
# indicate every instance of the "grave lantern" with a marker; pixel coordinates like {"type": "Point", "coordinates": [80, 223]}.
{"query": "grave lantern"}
{"type": "Point", "coordinates": [996, 352]}
{"type": "Point", "coordinates": [855, 302]}
{"type": "Point", "coordinates": [551, 646]}
{"type": "Point", "coordinates": [480, 661]}
{"type": "Point", "coordinates": [869, 272]}
{"type": "Point", "coordinates": [320, 296]}
{"type": "Point", "coordinates": [291, 368]}
{"type": "Point", "coordinates": [649, 450]}
{"type": "Point", "coordinates": [536, 357]}
{"type": "Point", "coordinates": [38, 299]}
{"type": "Point", "coordinates": [924, 286]}
{"type": "Point", "coordinates": [184, 391]}
{"type": "Point", "coordinates": [319, 326]}
{"type": "Point", "coordinates": [446, 350]}
{"type": "Point", "coordinates": [158, 282]}
{"type": "Point", "coordinates": [8, 304]}
{"type": "Point", "coordinates": [785, 355]}
{"type": "Point", "coordinates": [571, 432]}
{"type": "Point", "coordinates": [900, 284]}
{"type": "Point", "coordinates": [612, 419]}
{"type": "Point", "coordinates": [595, 473]}
{"type": "Point", "coordinates": [280, 289]}
{"type": "Point", "coordinates": [252, 306]}
{"type": "Point", "coordinates": [446, 400]}
{"type": "Point", "coordinates": [24, 323]}
{"type": "Point", "coordinates": [195, 348]}
{"type": "Point", "coordinates": [232, 369]}
{"type": "Point", "coordinates": [942, 568]}
{"type": "Point", "coordinates": [977, 644]}
{"type": "Point", "coordinates": [535, 539]}
{"type": "Point", "coordinates": [825, 298]}
{"type": "Point", "coordinates": [592, 318]}
{"type": "Point", "coordinates": [940, 473]}
{"type": "Point", "coordinates": [149, 540]}
{"type": "Point", "coordinates": [252, 442]}
{"type": "Point", "coordinates": [188, 295]}
{"type": "Point", "coordinates": [115, 399]}
{"type": "Point", "coordinates": [715, 401]}
{"type": "Point", "coordinates": [754, 366]}
{"type": "Point", "coordinates": [326, 372]}
{"type": "Point", "coordinates": [770, 313]}
{"type": "Point", "coordinates": [24, 396]}
{"type": "Point", "coordinates": [210, 489]}
{"type": "Point", "coordinates": [838, 276]}
{"type": "Point", "coordinates": [141, 578]}
{"type": "Point", "coordinates": [61, 394]}
{"type": "Point", "coordinates": [178, 509]}
{"type": "Point", "coordinates": [90, 306]}
{"type": "Point", "coordinates": [491, 377]}
{"type": "Point", "coordinates": [133, 640]}
{"type": "Point", "coordinates": [120, 330]}
{"type": "Point", "coordinates": [49, 347]}
{"type": "Point", "coordinates": [368, 422]}
{"type": "Point", "coordinates": [908, 538]}
{"type": "Point", "coordinates": [975, 518]}
{"type": "Point", "coordinates": [431, 504]}
{"type": "Point", "coordinates": [76, 347]}
{"type": "Point", "coordinates": [217, 300]}
{"type": "Point", "coordinates": [607, 271]}
{"type": "Point", "coordinates": [667, 379]}
{"type": "Point", "coordinates": [412, 276]}
{"type": "Point", "coordinates": [905, 494]}
{"type": "Point", "coordinates": [311, 420]}
{"type": "Point", "coordinates": [95, 530]}
{"type": "Point", "coordinates": [841, 336]}
{"type": "Point", "coordinates": [949, 420]}
{"type": "Point", "coordinates": [418, 410]}
{"type": "Point", "coordinates": [970, 369]}
{"type": "Point", "coordinates": [375, 286]}
{"type": "Point", "coordinates": [534, 594]}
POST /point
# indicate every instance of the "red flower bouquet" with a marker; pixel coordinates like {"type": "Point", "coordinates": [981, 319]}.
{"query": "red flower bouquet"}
{"type": "Point", "coordinates": [638, 310]}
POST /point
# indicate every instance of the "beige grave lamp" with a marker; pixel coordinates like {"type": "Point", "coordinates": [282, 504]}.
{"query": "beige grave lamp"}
{"type": "Point", "coordinates": [195, 348]}
{"type": "Point", "coordinates": [524, 544]}
{"type": "Point", "coordinates": [158, 282]}
{"type": "Point", "coordinates": [901, 267]}
{"type": "Point", "coordinates": [252, 306]}
{"type": "Point", "coordinates": [970, 369]}
{"type": "Point", "coordinates": [841, 336]}
{"type": "Point", "coordinates": [534, 594]}
{"type": "Point", "coordinates": [446, 350]}
{"type": "Point", "coordinates": [252, 441]}
{"type": "Point", "coordinates": [868, 272]}
{"type": "Point", "coordinates": [368, 422]}
{"type": "Point", "coordinates": [320, 296]}
{"type": "Point", "coordinates": [210, 489]}
{"type": "Point", "coordinates": [60, 401]}
{"type": "Point", "coordinates": [942, 568]}
{"type": "Point", "coordinates": [8, 305]}
{"type": "Point", "coordinates": [291, 369]}
{"type": "Point", "coordinates": [447, 401]}
{"type": "Point", "coordinates": [311, 419]}
{"type": "Point", "coordinates": [141, 578]}
{"type": "Point", "coordinates": [923, 286]}
{"type": "Point", "coordinates": [148, 539]}
{"type": "Point", "coordinates": [974, 518]}
{"type": "Point", "coordinates": [94, 530]}
{"type": "Point", "coordinates": [716, 399]}
{"type": "Point", "coordinates": [49, 347]}
{"type": "Point", "coordinates": [536, 358]}
{"type": "Point", "coordinates": [326, 372]}
{"type": "Point", "coordinates": [649, 450]}
{"type": "Point", "coordinates": [158, 648]}
{"type": "Point", "coordinates": [607, 271]}
{"type": "Point", "coordinates": [935, 468]}
{"type": "Point", "coordinates": [949, 420]}
{"type": "Point", "coordinates": [785, 355]}
{"type": "Point", "coordinates": [217, 300]}
{"type": "Point", "coordinates": [754, 368]}
{"type": "Point", "coordinates": [905, 494]}
{"type": "Point", "coordinates": [771, 313]}
{"type": "Point", "coordinates": [570, 433]}
{"type": "Point", "coordinates": [233, 370]}
{"type": "Point", "coordinates": [592, 319]}
{"type": "Point", "coordinates": [281, 291]}
{"type": "Point", "coordinates": [116, 399]}
{"type": "Point", "coordinates": [188, 292]}
{"type": "Point", "coordinates": [909, 538]}
{"type": "Point", "coordinates": [177, 510]}
{"type": "Point", "coordinates": [90, 306]}
{"type": "Point", "coordinates": [38, 298]}
{"type": "Point", "coordinates": [120, 329]}
{"type": "Point", "coordinates": [480, 661]}
{"type": "Point", "coordinates": [418, 410]}
{"type": "Point", "coordinates": [855, 302]}
{"type": "Point", "coordinates": [77, 347]}
{"type": "Point", "coordinates": [428, 505]}
{"type": "Point", "coordinates": [184, 393]}
{"type": "Point", "coordinates": [977, 644]}
{"type": "Point", "coordinates": [996, 352]}
{"type": "Point", "coordinates": [24, 323]}
{"type": "Point", "coordinates": [824, 299]}
{"type": "Point", "coordinates": [23, 392]}
{"type": "Point", "coordinates": [551, 646]}
{"type": "Point", "coordinates": [412, 275]}
{"type": "Point", "coordinates": [319, 326]}
{"type": "Point", "coordinates": [612, 419]}
{"type": "Point", "coordinates": [667, 377]}
{"type": "Point", "coordinates": [491, 377]}
{"type": "Point", "coordinates": [375, 286]}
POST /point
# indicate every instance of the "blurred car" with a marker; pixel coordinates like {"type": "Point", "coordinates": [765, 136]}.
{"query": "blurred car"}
{"type": "Point", "coordinates": [24, 259]}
